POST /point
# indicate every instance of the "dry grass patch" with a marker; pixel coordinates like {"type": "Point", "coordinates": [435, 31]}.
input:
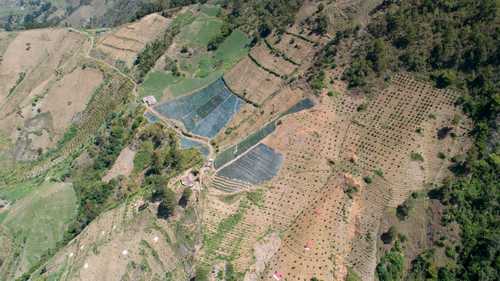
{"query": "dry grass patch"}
{"type": "Point", "coordinates": [252, 82]}
{"type": "Point", "coordinates": [262, 54]}
{"type": "Point", "coordinates": [296, 49]}
{"type": "Point", "coordinates": [70, 95]}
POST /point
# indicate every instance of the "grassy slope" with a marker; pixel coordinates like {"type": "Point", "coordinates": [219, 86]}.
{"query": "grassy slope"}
{"type": "Point", "coordinates": [38, 219]}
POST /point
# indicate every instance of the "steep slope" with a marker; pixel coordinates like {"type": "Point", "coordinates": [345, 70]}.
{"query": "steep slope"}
{"type": "Point", "coordinates": [262, 159]}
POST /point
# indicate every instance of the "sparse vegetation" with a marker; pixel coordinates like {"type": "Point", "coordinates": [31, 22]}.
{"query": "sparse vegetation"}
{"type": "Point", "coordinates": [350, 191]}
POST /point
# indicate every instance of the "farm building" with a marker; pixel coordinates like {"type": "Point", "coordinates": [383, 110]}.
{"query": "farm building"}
{"type": "Point", "coordinates": [149, 100]}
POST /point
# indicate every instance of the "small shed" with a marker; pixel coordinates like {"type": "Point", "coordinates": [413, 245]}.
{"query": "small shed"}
{"type": "Point", "coordinates": [188, 180]}
{"type": "Point", "coordinates": [149, 100]}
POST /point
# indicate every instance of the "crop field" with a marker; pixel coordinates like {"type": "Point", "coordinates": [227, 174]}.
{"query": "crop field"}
{"type": "Point", "coordinates": [272, 62]}
{"type": "Point", "coordinates": [199, 68]}
{"type": "Point", "coordinates": [155, 84]}
{"type": "Point", "coordinates": [326, 151]}
{"type": "Point", "coordinates": [210, 10]}
{"type": "Point", "coordinates": [205, 112]}
{"type": "Point", "coordinates": [23, 58]}
{"type": "Point", "coordinates": [252, 82]}
{"type": "Point", "coordinates": [257, 166]}
{"type": "Point", "coordinates": [232, 49]}
{"type": "Point", "coordinates": [297, 49]}
{"type": "Point", "coordinates": [123, 45]}
{"type": "Point", "coordinates": [38, 68]}
{"type": "Point", "coordinates": [110, 95]}
{"type": "Point", "coordinates": [36, 223]}
{"type": "Point", "coordinates": [200, 31]}
{"type": "Point", "coordinates": [186, 143]}
{"type": "Point", "coordinates": [251, 119]}
{"type": "Point", "coordinates": [15, 192]}
{"type": "Point", "coordinates": [240, 148]}
{"type": "Point", "coordinates": [298, 107]}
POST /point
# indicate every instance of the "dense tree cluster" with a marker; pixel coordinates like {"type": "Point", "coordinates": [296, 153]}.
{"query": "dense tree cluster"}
{"type": "Point", "coordinates": [261, 17]}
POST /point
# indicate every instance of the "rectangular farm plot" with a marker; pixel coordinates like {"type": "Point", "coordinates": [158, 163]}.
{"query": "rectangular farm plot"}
{"type": "Point", "coordinates": [125, 43]}
{"type": "Point", "coordinates": [240, 148]}
{"type": "Point", "coordinates": [273, 62]}
{"type": "Point", "coordinates": [201, 30]}
{"type": "Point", "coordinates": [258, 165]}
{"type": "Point", "coordinates": [251, 81]}
{"type": "Point", "coordinates": [296, 48]}
{"type": "Point", "coordinates": [205, 112]}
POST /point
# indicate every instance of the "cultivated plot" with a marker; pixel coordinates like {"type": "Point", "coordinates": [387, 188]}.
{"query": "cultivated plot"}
{"type": "Point", "coordinates": [258, 165]}
{"type": "Point", "coordinates": [205, 112]}
{"type": "Point", "coordinates": [121, 47]}
{"type": "Point", "coordinates": [241, 147]}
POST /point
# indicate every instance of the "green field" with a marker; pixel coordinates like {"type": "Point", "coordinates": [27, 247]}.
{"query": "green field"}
{"type": "Point", "coordinates": [156, 82]}
{"type": "Point", "coordinates": [210, 10]}
{"type": "Point", "coordinates": [184, 19]}
{"type": "Point", "coordinates": [16, 192]}
{"type": "Point", "coordinates": [200, 31]}
{"type": "Point", "coordinates": [38, 220]}
{"type": "Point", "coordinates": [232, 49]}
{"type": "Point", "coordinates": [188, 85]}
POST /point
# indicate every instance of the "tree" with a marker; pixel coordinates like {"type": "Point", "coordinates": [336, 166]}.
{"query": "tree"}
{"type": "Point", "coordinates": [320, 25]}
{"type": "Point", "coordinates": [168, 204]}
{"type": "Point", "coordinates": [390, 267]}
{"type": "Point", "coordinates": [389, 236]}
{"type": "Point", "coordinates": [186, 194]}
{"type": "Point", "coordinates": [377, 55]}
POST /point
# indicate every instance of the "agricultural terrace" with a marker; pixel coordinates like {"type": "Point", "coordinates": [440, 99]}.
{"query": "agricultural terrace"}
{"type": "Point", "coordinates": [188, 65]}
{"type": "Point", "coordinates": [344, 162]}
{"type": "Point", "coordinates": [251, 119]}
{"type": "Point", "coordinates": [253, 139]}
{"type": "Point", "coordinates": [121, 47]}
{"type": "Point", "coordinates": [110, 95]}
{"type": "Point", "coordinates": [205, 112]}
{"type": "Point", "coordinates": [34, 224]}
{"type": "Point", "coordinates": [273, 62]}
{"type": "Point", "coordinates": [258, 165]}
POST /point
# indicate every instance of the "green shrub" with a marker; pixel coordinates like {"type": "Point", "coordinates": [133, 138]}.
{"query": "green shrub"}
{"type": "Point", "coordinates": [391, 265]}
{"type": "Point", "coordinates": [168, 204]}
{"type": "Point", "coordinates": [368, 179]}
{"type": "Point", "coordinates": [415, 156]}
{"type": "Point", "coordinates": [389, 236]}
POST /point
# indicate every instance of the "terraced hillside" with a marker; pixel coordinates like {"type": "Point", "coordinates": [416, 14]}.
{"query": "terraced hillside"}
{"type": "Point", "coordinates": [282, 143]}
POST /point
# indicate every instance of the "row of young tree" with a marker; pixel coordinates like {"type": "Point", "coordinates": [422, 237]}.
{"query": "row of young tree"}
{"type": "Point", "coordinates": [455, 43]}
